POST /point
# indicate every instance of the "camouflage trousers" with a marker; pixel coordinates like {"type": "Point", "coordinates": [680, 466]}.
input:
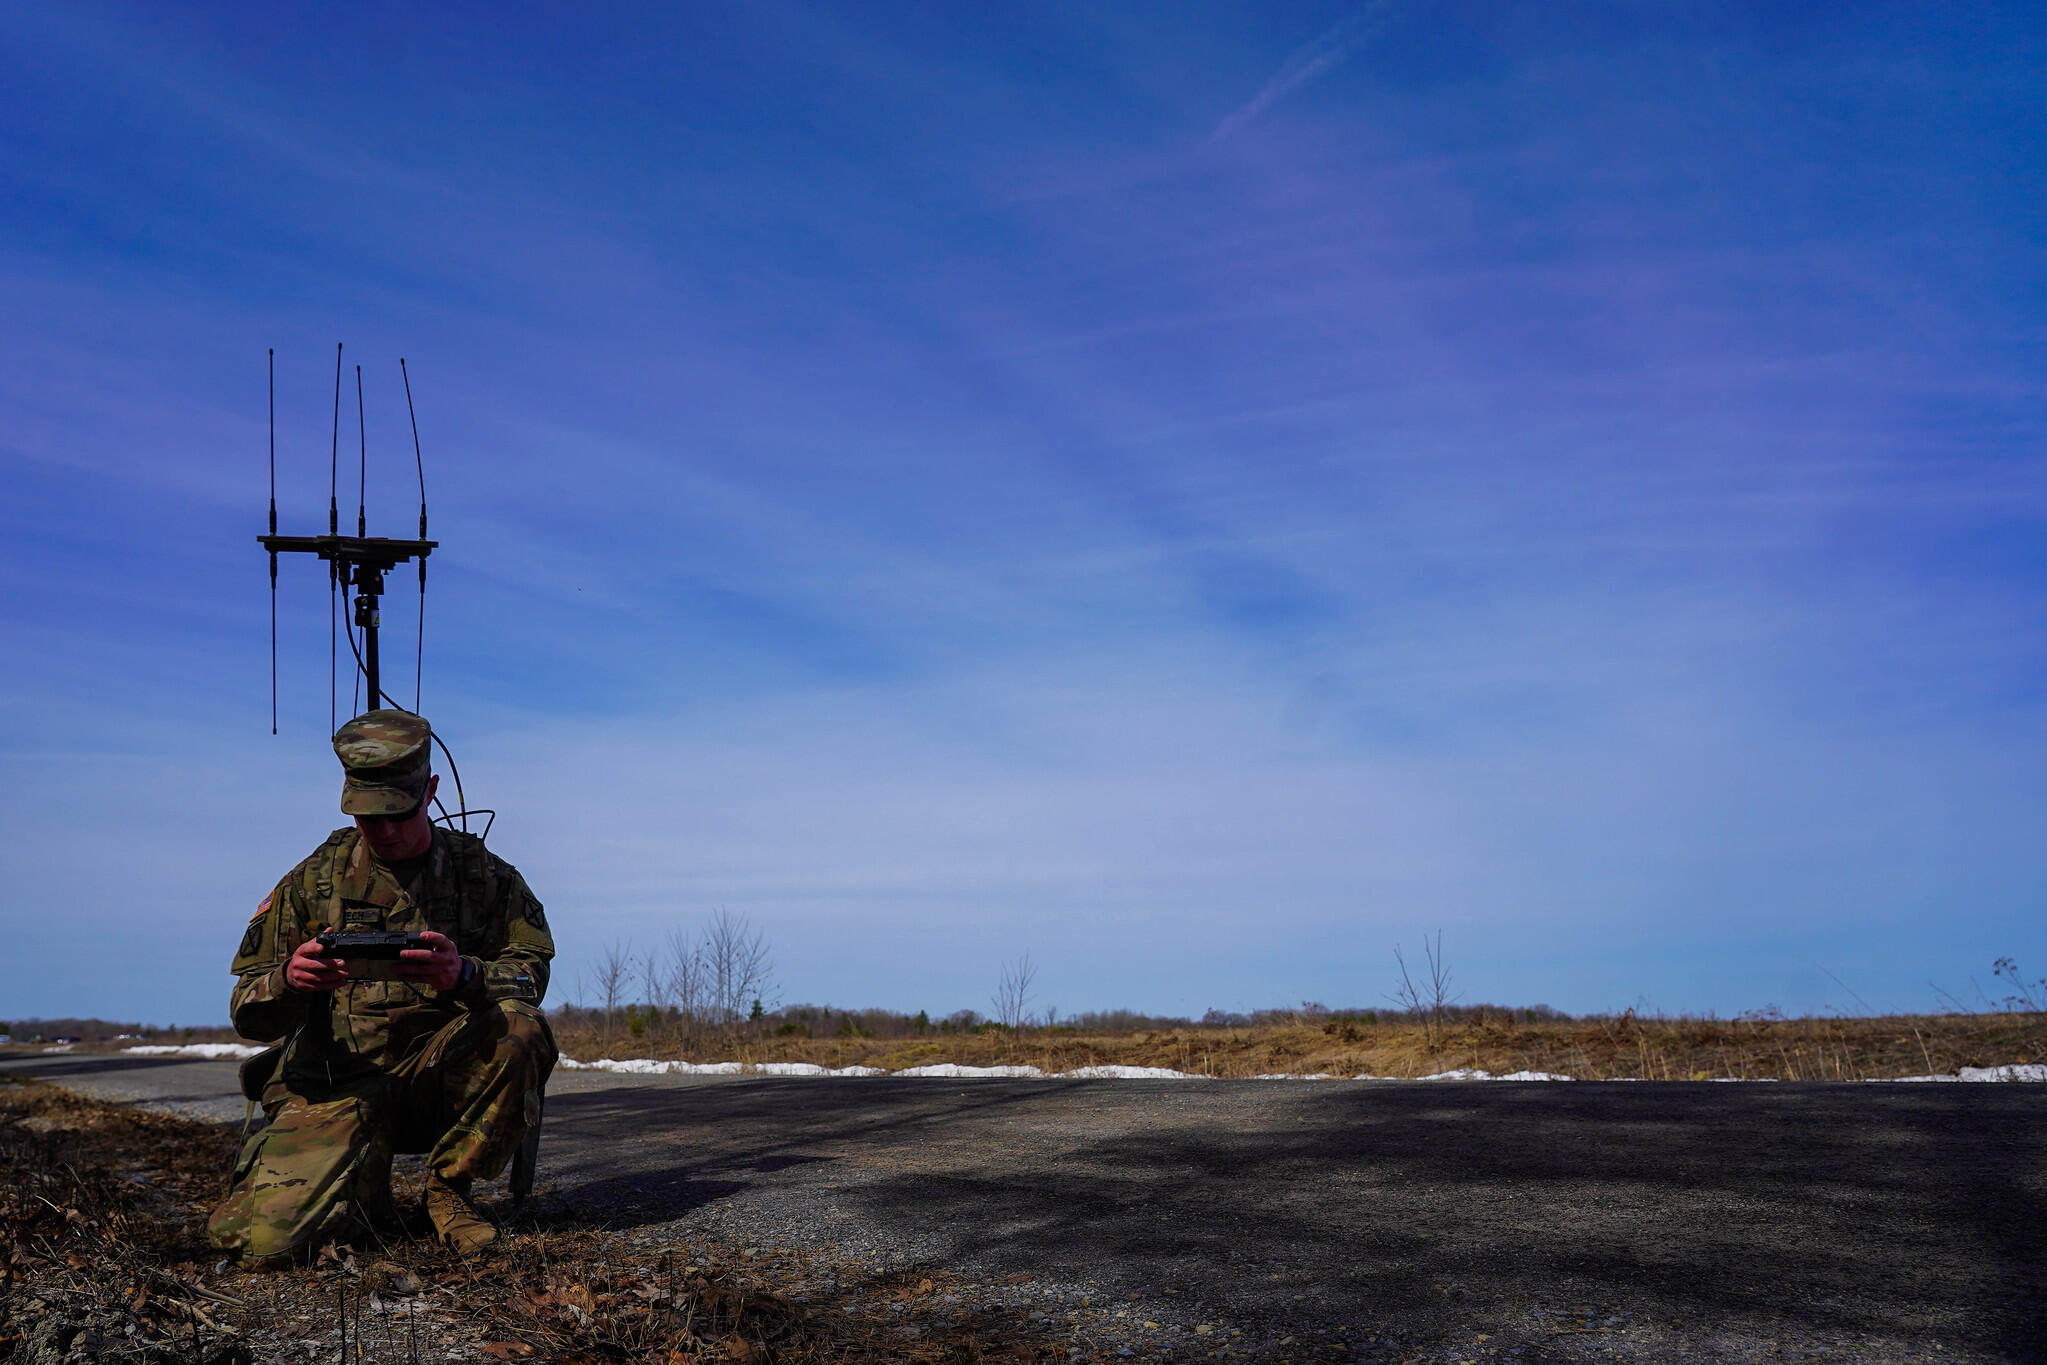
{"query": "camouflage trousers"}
{"type": "Point", "coordinates": [322, 1167]}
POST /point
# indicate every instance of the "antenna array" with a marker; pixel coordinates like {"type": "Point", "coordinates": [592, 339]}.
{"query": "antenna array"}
{"type": "Point", "coordinates": [360, 562]}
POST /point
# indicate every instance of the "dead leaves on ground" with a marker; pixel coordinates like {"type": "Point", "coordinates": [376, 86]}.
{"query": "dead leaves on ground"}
{"type": "Point", "coordinates": [106, 1205]}
{"type": "Point", "coordinates": [644, 1308]}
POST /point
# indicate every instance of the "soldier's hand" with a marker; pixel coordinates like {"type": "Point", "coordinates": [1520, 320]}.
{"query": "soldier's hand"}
{"type": "Point", "coordinates": [310, 969]}
{"type": "Point", "coordinates": [438, 965]}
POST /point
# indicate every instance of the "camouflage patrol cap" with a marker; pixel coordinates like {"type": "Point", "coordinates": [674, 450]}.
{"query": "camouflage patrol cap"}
{"type": "Point", "coordinates": [385, 756]}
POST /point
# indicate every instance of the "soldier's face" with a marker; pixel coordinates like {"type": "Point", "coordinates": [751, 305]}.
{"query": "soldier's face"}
{"type": "Point", "coordinates": [395, 838]}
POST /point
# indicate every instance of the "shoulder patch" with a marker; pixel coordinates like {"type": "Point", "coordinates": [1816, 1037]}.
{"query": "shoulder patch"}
{"type": "Point", "coordinates": [251, 940]}
{"type": "Point", "coordinates": [262, 909]}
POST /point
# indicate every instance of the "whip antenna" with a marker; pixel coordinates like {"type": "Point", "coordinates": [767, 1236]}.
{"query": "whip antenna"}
{"type": "Point", "coordinates": [418, 463]}
{"type": "Point", "coordinates": [333, 529]}
{"type": "Point", "coordinates": [362, 527]}
{"type": "Point", "coordinates": [273, 531]}
{"type": "Point", "coordinates": [334, 452]}
{"type": "Point", "coordinates": [362, 468]}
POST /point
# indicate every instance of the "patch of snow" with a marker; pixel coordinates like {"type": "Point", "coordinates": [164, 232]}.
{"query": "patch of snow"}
{"type": "Point", "coordinates": [647, 1066]}
{"type": "Point", "coordinates": [635, 1066]}
{"type": "Point", "coordinates": [58, 1047]}
{"type": "Point", "coordinates": [195, 1050]}
{"type": "Point", "coordinates": [2032, 1071]}
{"type": "Point", "coordinates": [953, 1071]}
{"type": "Point", "coordinates": [1124, 1073]}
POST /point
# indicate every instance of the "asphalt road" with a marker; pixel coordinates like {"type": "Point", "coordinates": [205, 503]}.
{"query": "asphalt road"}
{"type": "Point", "coordinates": [1525, 1222]}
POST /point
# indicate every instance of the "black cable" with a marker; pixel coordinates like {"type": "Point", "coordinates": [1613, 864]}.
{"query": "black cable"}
{"type": "Point", "coordinates": [333, 659]}
{"type": "Point", "coordinates": [273, 643]}
{"type": "Point", "coordinates": [456, 773]}
{"type": "Point", "coordinates": [362, 670]}
{"type": "Point", "coordinates": [453, 771]}
{"type": "Point", "coordinates": [468, 811]}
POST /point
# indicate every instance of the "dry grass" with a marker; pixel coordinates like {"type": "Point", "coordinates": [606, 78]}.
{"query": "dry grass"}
{"type": "Point", "coordinates": [102, 1251]}
{"type": "Point", "coordinates": [1612, 1048]}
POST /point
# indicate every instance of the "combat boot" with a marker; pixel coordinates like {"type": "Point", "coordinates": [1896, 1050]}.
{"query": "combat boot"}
{"type": "Point", "coordinates": [456, 1219]}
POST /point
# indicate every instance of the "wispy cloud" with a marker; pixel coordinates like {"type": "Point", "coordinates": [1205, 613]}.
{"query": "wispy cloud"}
{"type": "Point", "coordinates": [1310, 62]}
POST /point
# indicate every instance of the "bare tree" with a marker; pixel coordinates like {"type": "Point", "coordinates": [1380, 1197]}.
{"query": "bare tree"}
{"type": "Point", "coordinates": [737, 967]}
{"type": "Point", "coordinates": [614, 969]}
{"type": "Point", "coordinates": [651, 984]}
{"type": "Point", "coordinates": [1440, 998]}
{"type": "Point", "coordinates": [1013, 993]}
{"type": "Point", "coordinates": [1429, 1001]}
{"type": "Point", "coordinates": [686, 984]}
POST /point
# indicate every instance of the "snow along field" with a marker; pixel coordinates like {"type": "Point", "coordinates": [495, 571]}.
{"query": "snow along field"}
{"type": "Point", "coordinates": [647, 1066]}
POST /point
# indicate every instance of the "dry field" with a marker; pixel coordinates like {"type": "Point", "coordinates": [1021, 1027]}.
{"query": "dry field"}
{"type": "Point", "coordinates": [1625, 1047]}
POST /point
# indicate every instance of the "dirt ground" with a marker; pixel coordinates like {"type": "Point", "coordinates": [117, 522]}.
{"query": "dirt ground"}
{"type": "Point", "coordinates": [910, 1219]}
{"type": "Point", "coordinates": [104, 1258]}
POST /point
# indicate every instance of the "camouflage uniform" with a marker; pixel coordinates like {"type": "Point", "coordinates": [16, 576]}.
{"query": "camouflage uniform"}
{"type": "Point", "coordinates": [379, 1067]}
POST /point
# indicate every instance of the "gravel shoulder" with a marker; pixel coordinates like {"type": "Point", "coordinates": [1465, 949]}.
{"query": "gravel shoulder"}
{"type": "Point", "coordinates": [1396, 1221]}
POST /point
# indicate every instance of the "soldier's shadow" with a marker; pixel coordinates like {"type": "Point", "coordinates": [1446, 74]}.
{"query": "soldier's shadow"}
{"type": "Point", "coordinates": [622, 1202]}
{"type": "Point", "coordinates": [642, 1198]}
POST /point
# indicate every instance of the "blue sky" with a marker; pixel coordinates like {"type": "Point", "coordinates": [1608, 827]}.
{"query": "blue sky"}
{"type": "Point", "coordinates": [1198, 493]}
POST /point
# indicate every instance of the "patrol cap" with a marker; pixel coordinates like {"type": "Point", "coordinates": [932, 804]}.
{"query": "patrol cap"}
{"type": "Point", "coordinates": [385, 756]}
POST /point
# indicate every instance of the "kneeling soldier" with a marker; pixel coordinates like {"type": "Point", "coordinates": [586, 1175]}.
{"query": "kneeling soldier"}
{"type": "Point", "coordinates": [448, 1057]}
